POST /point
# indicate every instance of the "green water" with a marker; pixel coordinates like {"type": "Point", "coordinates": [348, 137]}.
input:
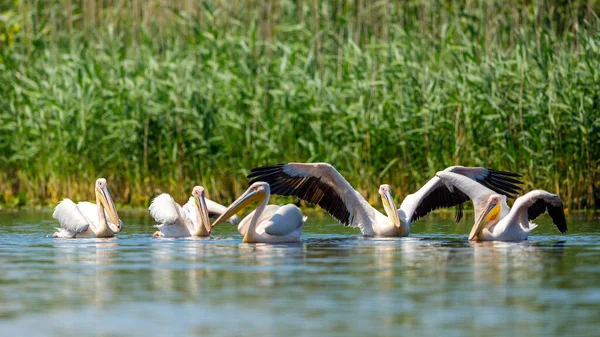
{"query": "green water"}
{"type": "Point", "coordinates": [334, 283]}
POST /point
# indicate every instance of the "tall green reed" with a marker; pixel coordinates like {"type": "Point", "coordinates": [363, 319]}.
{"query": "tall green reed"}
{"type": "Point", "coordinates": [160, 96]}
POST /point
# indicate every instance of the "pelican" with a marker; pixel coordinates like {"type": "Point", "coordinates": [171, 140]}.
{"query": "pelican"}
{"type": "Point", "coordinates": [495, 221]}
{"type": "Point", "coordinates": [190, 220]}
{"type": "Point", "coordinates": [322, 184]}
{"type": "Point", "coordinates": [86, 220]}
{"type": "Point", "coordinates": [267, 223]}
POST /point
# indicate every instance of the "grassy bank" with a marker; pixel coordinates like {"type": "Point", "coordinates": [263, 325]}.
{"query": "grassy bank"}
{"type": "Point", "coordinates": [160, 96]}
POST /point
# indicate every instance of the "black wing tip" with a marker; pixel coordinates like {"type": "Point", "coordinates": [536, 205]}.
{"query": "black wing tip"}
{"type": "Point", "coordinates": [266, 167]}
{"type": "Point", "coordinates": [557, 213]}
{"type": "Point", "coordinates": [506, 180]}
{"type": "Point", "coordinates": [509, 190]}
{"type": "Point", "coordinates": [505, 173]}
{"type": "Point", "coordinates": [310, 189]}
{"type": "Point", "coordinates": [459, 212]}
{"type": "Point", "coordinates": [260, 170]}
{"type": "Point", "coordinates": [561, 224]}
{"type": "Point", "coordinates": [503, 182]}
{"type": "Point", "coordinates": [441, 197]}
{"type": "Point", "coordinates": [562, 227]}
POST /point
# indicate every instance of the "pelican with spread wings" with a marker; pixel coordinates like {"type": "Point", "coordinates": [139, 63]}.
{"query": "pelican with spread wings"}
{"type": "Point", "coordinates": [322, 184]}
{"type": "Point", "coordinates": [495, 221]}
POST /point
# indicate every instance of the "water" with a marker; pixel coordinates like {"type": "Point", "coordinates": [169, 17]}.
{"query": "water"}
{"type": "Point", "coordinates": [334, 283]}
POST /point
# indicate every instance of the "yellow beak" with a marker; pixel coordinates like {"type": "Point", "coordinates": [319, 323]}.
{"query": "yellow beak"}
{"type": "Point", "coordinates": [390, 208]}
{"type": "Point", "coordinates": [203, 214]}
{"type": "Point", "coordinates": [103, 194]}
{"type": "Point", "coordinates": [490, 211]}
{"type": "Point", "coordinates": [242, 202]}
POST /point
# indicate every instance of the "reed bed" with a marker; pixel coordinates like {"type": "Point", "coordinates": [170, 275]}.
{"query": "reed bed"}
{"type": "Point", "coordinates": [158, 96]}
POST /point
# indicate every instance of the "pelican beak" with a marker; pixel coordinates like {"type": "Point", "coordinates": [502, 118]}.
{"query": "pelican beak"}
{"type": "Point", "coordinates": [490, 213]}
{"type": "Point", "coordinates": [242, 202]}
{"type": "Point", "coordinates": [390, 208]}
{"type": "Point", "coordinates": [203, 212]}
{"type": "Point", "coordinates": [103, 194]}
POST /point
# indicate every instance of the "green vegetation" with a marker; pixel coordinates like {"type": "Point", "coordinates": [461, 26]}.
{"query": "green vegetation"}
{"type": "Point", "coordinates": [162, 95]}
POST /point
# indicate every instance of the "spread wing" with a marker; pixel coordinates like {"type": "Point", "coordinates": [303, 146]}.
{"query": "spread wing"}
{"type": "Point", "coordinates": [436, 194]}
{"type": "Point", "coordinates": [70, 217]}
{"type": "Point", "coordinates": [316, 183]}
{"type": "Point", "coordinates": [539, 202]}
{"type": "Point", "coordinates": [166, 211]}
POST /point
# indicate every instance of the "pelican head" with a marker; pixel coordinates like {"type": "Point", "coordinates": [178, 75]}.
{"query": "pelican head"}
{"type": "Point", "coordinates": [389, 205]}
{"type": "Point", "coordinates": [202, 211]}
{"type": "Point", "coordinates": [258, 191]}
{"type": "Point", "coordinates": [103, 195]}
{"type": "Point", "coordinates": [490, 213]}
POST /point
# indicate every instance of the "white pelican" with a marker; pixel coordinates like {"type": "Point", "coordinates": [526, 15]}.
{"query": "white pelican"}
{"type": "Point", "coordinates": [86, 219]}
{"type": "Point", "coordinates": [267, 223]}
{"type": "Point", "coordinates": [322, 184]}
{"type": "Point", "coordinates": [190, 220]}
{"type": "Point", "coordinates": [495, 221]}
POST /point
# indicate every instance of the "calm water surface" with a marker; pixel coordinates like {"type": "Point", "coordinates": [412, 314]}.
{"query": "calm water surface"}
{"type": "Point", "coordinates": [334, 283]}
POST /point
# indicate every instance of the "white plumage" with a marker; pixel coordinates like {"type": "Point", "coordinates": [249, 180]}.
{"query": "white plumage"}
{"type": "Point", "coordinates": [277, 223]}
{"type": "Point", "coordinates": [70, 218]}
{"type": "Point", "coordinates": [174, 221]}
{"type": "Point", "coordinates": [177, 221]}
{"type": "Point", "coordinates": [84, 218]}
{"type": "Point", "coordinates": [267, 223]}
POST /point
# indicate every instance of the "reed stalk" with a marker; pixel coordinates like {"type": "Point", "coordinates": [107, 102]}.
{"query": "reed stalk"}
{"type": "Point", "coordinates": [159, 96]}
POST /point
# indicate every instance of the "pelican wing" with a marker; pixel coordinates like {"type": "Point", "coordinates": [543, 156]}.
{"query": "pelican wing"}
{"type": "Point", "coordinates": [316, 183]}
{"type": "Point", "coordinates": [284, 221]}
{"type": "Point", "coordinates": [537, 202]}
{"type": "Point", "coordinates": [166, 211]}
{"type": "Point", "coordinates": [456, 185]}
{"type": "Point", "coordinates": [70, 217]}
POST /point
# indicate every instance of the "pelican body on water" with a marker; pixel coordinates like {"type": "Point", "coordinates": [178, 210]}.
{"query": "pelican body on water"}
{"type": "Point", "coordinates": [86, 220]}
{"type": "Point", "coordinates": [495, 220]}
{"type": "Point", "coordinates": [322, 184]}
{"type": "Point", "coordinates": [190, 220]}
{"type": "Point", "coordinates": [267, 223]}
